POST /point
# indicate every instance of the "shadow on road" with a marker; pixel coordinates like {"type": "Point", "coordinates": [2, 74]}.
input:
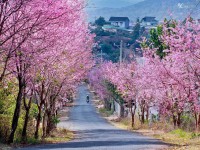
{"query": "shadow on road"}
{"type": "Point", "coordinates": [108, 138]}
{"type": "Point", "coordinates": [87, 144]}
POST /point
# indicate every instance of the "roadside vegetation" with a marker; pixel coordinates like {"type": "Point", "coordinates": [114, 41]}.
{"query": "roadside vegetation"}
{"type": "Point", "coordinates": [180, 139]}
{"type": "Point", "coordinates": [7, 109]}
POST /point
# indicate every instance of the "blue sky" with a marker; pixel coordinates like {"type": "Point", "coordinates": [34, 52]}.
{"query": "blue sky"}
{"type": "Point", "coordinates": [111, 3]}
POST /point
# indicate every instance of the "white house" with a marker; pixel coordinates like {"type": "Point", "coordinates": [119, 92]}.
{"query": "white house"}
{"type": "Point", "coordinates": [149, 21]}
{"type": "Point", "coordinates": [122, 22]}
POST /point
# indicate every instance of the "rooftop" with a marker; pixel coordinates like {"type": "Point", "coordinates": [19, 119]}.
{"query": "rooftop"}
{"type": "Point", "coordinates": [119, 19]}
{"type": "Point", "coordinates": [149, 19]}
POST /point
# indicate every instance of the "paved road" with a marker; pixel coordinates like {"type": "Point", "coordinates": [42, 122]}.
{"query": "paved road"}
{"type": "Point", "coordinates": [95, 133]}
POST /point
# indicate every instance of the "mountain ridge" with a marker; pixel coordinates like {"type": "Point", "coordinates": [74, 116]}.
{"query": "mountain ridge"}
{"type": "Point", "coordinates": [176, 9]}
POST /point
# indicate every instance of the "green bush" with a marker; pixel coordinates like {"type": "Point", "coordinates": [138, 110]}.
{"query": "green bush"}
{"type": "Point", "coordinates": [55, 120]}
{"type": "Point", "coordinates": [180, 133]}
{"type": "Point", "coordinates": [7, 106]}
{"type": "Point", "coordinates": [188, 122]}
{"type": "Point", "coordinates": [5, 125]}
{"type": "Point", "coordinates": [8, 96]}
{"type": "Point", "coordinates": [105, 112]}
{"type": "Point", "coordinates": [195, 135]}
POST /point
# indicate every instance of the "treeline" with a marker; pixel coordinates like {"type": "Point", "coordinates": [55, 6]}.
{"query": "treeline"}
{"type": "Point", "coordinates": [166, 79]}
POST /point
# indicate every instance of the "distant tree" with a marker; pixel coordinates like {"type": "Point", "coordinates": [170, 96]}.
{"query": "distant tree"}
{"type": "Point", "coordinates": [157, 43]}
{"type": "Point", "coordinates": [112, 53]}
{"type": "Point", "coordinates": [155, 35]}
{"type": "Point", "coordinates": [136, 31]}
{"type": "Point", "coordinates": [106, 48]}
{"type": "Point", "coordinates": [100, 21]}
{"type": "Point", "coordinates": [114, 56]}
{"type": "Point", "coordinates": [100, 32]}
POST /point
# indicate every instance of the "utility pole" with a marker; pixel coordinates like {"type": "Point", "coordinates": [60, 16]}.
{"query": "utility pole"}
{"type": "Point", "coordinates": [101, 56]}
{"type": "Point", "coordinates": [121, 49]}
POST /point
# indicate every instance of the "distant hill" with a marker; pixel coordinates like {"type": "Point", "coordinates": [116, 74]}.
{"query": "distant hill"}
{"type": "Point", "coordinates": [111, 3]}
{"type": "Point", "coordinates": [178, 9]}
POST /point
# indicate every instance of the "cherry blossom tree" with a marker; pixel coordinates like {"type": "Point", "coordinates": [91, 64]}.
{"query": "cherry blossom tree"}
{"type": "Point", "coordinates": [46, 45]}
{"type": "Point", "coordinates": [170, 83]}
{"type": "Point", "coordinates": [177, 75]}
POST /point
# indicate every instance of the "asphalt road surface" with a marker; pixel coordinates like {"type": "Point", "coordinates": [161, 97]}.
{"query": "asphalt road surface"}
{"type": "Point", "coordinates": [95, 133]}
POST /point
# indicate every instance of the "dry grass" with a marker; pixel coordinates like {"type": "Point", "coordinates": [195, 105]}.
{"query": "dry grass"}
{"type": "Point", "coordinates": [5, 147]}
{"type": "Point", "coordinates": [59, 136]}
{"type": "Point", "coordinates": [181, 139]}
{"type": "Point", "coordinates": [69, 104]}
{"type": "Point", "coordinates": [104, 112]}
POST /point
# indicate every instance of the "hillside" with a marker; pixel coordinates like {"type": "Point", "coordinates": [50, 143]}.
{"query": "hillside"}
{"type": "Point", "coordinates": [161, 9]}
{"type": "Point", "coordinates": [111, 3]}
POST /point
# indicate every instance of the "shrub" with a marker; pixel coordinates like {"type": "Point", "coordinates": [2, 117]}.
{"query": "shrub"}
{"type": "Point", "coordinates": [180, 133]}
{"type": "Point", "coordinates": [5, 127]}
{"type": "Point", "coordinates": [105, 112]}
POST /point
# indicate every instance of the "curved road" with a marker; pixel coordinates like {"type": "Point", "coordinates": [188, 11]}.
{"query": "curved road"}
{"type": "Point", "coordinates": [95, 133]}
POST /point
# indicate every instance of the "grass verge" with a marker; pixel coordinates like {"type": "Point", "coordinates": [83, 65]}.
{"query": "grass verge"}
{"type": "Point", "coordinates": [181, 140]}
{"type": "Point", "coordinates": [56, 136]}
{"type": "Point", "coordinates": [104, 112]}
{"type": "Point", "coordinates": [59, 136]}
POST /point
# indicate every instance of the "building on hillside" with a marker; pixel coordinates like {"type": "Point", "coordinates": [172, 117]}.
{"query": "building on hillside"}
{"type": "Point", "coordinates": [149, 21]}
{"type": "Point", "coordinates": [198, 21]}
{"type": "Point", "coordinates": [122, 22]}
{"type": "Point", "coordinates": [112, 28]}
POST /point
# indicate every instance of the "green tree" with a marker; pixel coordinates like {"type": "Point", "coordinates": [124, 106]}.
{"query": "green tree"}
{"type": "Point", "coordinates": [106, 48]}
{"type": "Point", "coordinates": [100, 32]}
{"type": "Point", "coordinates": [113, 54]}
{"type": "Point", "coordinates": [116, 96]}
{"type": "Point", "coordinates": [156, 41]}
{"type": "Point", "coordinates": [100, 21]}
{"type": "Point", "coordinates": [155, 35]}
{"type": "Point", "coordinates": [136, 31]}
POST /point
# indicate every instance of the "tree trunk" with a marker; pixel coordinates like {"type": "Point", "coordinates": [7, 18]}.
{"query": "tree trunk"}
{"type": "Point", "coordinates": [38, 122]}
{"type": "Point", "coordinates": [107, 104]}
{"type": "Point", "coordinates": [121, 111]}
{"type": "Point", "coordinates": [142, 116]}
{"type": "Point", "coordinates": [50, 124]}
{"type": "Point", "coordinates": [27, 108]}
{"type": "Point", "coordinates": [174, 121]}
{"type": "Point", "coordinates": [50, 114]}
{"type": "Point", "coordinates": [197, 121]}
{"type": "Point", "coordinates": [147, 113]}
{"type": "Point", "coordinates": [179, 120]}
{"type": "Point", "coordinates": [17, 111]}
{"type": "Point", "coordinates": [198, 128]}
{"type": "Point", "coordinates": [24, 133]}
{"type": "Point", "coordinates": [44, 125]}
{"type": "Point", "coordinates": [40, 105]}
{"type": "Point", "coordinates": [133, 115]}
